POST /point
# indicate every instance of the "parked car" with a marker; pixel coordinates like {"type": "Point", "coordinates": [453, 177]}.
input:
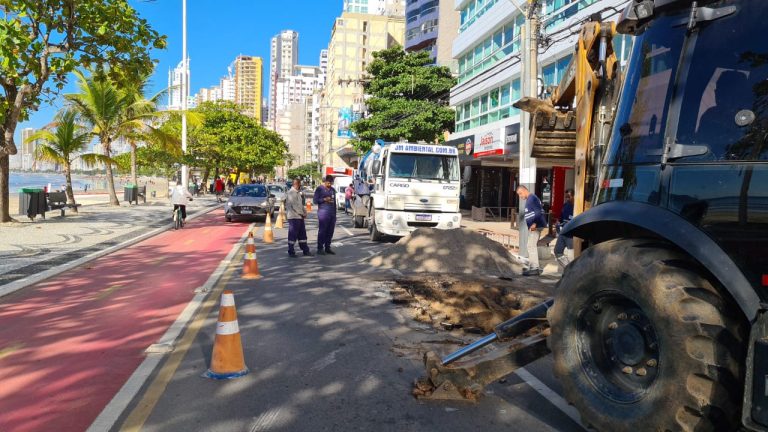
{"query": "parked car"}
{"type": "Point", "coordinates": [249, 201]}
{"type": "Point", "coordinates": [340, 183]}
{"type": "Point", "coordinates": [278, 191]}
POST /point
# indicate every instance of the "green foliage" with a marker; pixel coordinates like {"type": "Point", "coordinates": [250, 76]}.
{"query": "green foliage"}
{"type": "Point", "coordinates": [408, 99]}
{"type": "Point", "coordinates": [152, 160]}
{"type": "Point", "coordinates": [229, 139]}
{"type": "Point", "coordinates": [42, 41]}
{"type": "Point", "coordinates": [307, 170]}
{"type": "Point", "coordinates": [63, 144]}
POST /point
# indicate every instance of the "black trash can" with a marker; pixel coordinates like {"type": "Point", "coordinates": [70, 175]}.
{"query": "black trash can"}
{"type": "Point", "coordinates": [32, 202]}
{"type": "Point", "coordinates": [131, 193]}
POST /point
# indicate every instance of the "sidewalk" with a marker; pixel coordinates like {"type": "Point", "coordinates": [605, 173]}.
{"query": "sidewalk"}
{"type": "Point", "coordinates": [28, 248]}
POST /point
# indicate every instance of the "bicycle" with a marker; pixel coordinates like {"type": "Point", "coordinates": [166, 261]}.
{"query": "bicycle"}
{"type": "Point", "coordinates": [178, 221]}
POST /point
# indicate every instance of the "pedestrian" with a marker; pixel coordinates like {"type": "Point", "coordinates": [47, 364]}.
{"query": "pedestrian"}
{"type": "Point", "coordinates": [325, 199]}
{"type": "Point", "coordinates": [534, 219]}
{"type": "Point", "coordinates": [296, 212]}
{"type": "Point", "coordinates": [348, 193]}
{"type": "Point", "coordinates": [230, 184]}
{"type": "Point", "coordinates": [563, 242]}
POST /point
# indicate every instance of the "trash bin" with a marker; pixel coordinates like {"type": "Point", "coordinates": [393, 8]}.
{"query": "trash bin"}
{"type": "Point", "coordinates": [131, 193]}
{"type": "Point", "coordinates": [32, 202]}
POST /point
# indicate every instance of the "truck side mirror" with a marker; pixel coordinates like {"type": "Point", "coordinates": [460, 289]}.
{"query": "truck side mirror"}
{"type": "Point", "coordinates": [376, 167]}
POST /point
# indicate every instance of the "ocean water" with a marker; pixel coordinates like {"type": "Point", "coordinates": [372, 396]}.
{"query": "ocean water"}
{"type": "Point", "coordinates": [57, 182]}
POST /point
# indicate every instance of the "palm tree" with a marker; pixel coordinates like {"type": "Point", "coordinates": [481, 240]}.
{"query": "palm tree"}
{"type": "Point", "coordinates": [63, 145]}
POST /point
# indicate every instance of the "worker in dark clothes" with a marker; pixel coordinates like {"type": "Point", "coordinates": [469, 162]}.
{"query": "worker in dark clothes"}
{"type": "Point", "coordinates": [534, 219]}
{"type": "Point", "coordinates": [562, 241]}
{"type": "Point", "coordinates": [296, 212]}
{"type": "Point", "coordinates": [325, 200]}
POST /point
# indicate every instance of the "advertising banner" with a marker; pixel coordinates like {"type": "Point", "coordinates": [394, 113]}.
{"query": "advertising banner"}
{"type": "Point", "coordinates": [489, 143]}
{"type": "Point", "coordinates": [464, 145]}
{"type": "Point", "coordinates": [345, 120]}
{"type": "Point", "coordinates": [512, 140]}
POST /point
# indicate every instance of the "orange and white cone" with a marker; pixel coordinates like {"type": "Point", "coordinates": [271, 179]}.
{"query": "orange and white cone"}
{"type": "Point", "coordinates": [280, 219]}
{"type": "Point", "coordinates": [251, 265]}
{"type": "Point", "coordinates": [309, 206]}
{"type": "Point", "coordinates": [250, 244]}
{"type": "Point", "coordinates": [269, 235]}
{"type": "Point", "coordinates": [227, 361]}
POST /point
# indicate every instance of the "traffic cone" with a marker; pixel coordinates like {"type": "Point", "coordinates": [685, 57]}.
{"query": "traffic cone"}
{"type": "Point", "coordinates": [227, 361]}
{"type": "Point", "coordinates": [309, 206]}
{"type": "Point", "coordinates": [250, 245]}
{"type": "Point", "coordinates": [251, 265]}
{"type": "Point", "coordinates": [269, 236]}
{"type": "Point", "coordinates": [280, 219]}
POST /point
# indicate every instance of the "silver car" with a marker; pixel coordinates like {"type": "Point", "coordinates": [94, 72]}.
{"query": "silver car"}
{"type": "Point", "coordinates": [279, 192]}
{"type": "Point", "coordinates": [249, 201]}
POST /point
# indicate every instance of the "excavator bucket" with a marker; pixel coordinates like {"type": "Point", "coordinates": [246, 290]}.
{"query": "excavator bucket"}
{"type": "Point", "coordinates": [465, 380]}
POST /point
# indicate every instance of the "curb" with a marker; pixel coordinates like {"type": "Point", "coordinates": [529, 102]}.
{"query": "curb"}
{"type": "Point", "coordinates": [111, 413]}
{"type": "Point", "coordinates": [30, 280]}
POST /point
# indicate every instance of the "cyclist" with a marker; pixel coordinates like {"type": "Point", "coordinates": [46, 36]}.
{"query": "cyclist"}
{"type": "Point", "coordinates": [179, 197]}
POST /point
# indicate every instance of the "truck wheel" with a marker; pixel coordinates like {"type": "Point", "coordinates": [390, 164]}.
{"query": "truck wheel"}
{"type": "Point", "coordinates": [640, 336]}
{"type": "Point", "coordinates": [359, 221]}
{"type": "Point", "coordinates": [375, 234]}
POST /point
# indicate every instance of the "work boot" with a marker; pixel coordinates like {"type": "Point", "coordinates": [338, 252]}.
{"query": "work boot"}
{"type": "Point", "coordinates": [308, 253]}
{"type": "Point", "coordinates": [321, 252]}
{"type": "Point", "coordinates": [532, 272]}
{"type": "Point", "coordinates": [293, 255]}
{"type": "Point", "coordinates": [330, 252]}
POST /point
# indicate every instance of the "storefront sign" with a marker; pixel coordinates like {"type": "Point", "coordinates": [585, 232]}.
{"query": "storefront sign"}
{"type": "Point", "coordinates": [464, 145]}
{"type": "Point", "coordinates": [512, 140]}
{"type": "Point", "coordinates": [489, 143]}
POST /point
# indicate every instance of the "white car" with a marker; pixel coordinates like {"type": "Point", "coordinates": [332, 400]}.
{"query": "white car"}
{"type": "Point", "coordinates": [340, 183]}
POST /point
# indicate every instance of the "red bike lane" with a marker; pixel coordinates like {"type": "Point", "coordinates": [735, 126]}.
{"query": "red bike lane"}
{"type": "Point", "coordinates": [68, 344]}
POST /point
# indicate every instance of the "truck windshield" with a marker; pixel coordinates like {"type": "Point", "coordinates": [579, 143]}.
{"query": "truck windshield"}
{"type": "Point", "coordinates": [725, 103]}
{"type": "Point", "coordinates": [424, 166]}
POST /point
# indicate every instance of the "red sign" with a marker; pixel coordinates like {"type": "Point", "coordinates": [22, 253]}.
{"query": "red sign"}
{"type": "Point", "coordinates": [337, 171]}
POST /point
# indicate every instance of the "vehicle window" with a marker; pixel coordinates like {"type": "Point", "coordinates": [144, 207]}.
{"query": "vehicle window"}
{"type": "Point", "coordinates": [425, 167]}
{"type": "Point", "coordinates": [725, 104]}
{"type": "Point", "coordinates": [254, 191]}
{"type": "Point", "coordinates": [276, 189]}
{"type": "Point", "coordinates": [646, 95]}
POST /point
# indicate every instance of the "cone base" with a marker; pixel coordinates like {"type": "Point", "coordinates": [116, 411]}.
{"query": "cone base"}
{"type": "Point", "coordinates": [252, 276]}
{"type": "Point", "coordinates": [225, 376]}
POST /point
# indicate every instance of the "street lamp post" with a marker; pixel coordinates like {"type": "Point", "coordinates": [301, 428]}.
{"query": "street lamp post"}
{"type": "Point", "coordinates": [184, 86]}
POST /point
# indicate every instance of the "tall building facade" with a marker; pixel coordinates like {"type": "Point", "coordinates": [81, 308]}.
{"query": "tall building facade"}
{"type": "Point", "coordinates": [299, 86]}
{"type": "Point", "coordinates": [354, 39]}
{"type": "Point", "coordinates": [248, 85]}
{"type": "Point", "coordinates": [27, 149]}
{"type": "Point", "coordinates": [421, 25]}
{"type": "Point", "coordinates": [284, 56]}
{"type": "Point", "coordinates": [294, 117]}
{"type": "Point", "coordinates": [488, 51]}
{"type": "Point", "coordinates": [375, 7]}
{"type": "Point", "coordinates": [178, 79]}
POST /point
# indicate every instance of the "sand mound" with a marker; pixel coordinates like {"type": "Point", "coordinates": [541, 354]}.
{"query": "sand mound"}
{"type": "Point", "coordinates": [429, 250]}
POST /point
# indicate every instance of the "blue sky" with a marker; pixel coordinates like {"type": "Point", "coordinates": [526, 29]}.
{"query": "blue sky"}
{"type": "Point", "coordinates": [218, 31]}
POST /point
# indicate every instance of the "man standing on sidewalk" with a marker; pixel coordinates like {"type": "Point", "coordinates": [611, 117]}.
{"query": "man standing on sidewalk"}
{"type": "Point", "coordinates": [534, 219]}
{"type": "Point", "coordinates": [325, 199]}
{"type": "Point", "coordinates": [296, 212]}
{"type": "Point", "coordinates": [564, 242]}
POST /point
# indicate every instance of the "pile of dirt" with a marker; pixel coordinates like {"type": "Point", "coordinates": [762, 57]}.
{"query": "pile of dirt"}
{"type": "Point", "coordinates": [475, 304]}
{"type": "Point", "coordinates": [428, 250]}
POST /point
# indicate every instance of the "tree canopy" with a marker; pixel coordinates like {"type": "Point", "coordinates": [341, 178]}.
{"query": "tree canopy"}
{"type": "Point", "coordinates": [408, 99]}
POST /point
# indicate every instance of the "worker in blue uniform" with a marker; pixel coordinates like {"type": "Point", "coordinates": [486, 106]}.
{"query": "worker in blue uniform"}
{"type": "Point", "coordinates": [325, 200]}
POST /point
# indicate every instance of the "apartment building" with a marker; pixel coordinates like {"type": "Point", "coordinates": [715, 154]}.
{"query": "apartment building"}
{"type": "Point", "coordinates": [248, 84]}
{"type": "Point", "coordinates": [284, 56]}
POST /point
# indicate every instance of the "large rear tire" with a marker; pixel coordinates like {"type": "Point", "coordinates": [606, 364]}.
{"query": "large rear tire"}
{"type": "Point", "coordinates": [642, 340]}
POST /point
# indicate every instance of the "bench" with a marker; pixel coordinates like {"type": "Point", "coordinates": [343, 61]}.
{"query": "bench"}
{"type": "Point", "coordinates": [58, 201]}
{"type": "Point", "coordinates": [142, 193]}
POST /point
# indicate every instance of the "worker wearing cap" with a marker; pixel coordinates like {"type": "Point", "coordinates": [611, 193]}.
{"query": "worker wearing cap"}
{"type": "Point", "coordinates": [534, 218]}
{"type": "Point", "coordinates": [325, 199]}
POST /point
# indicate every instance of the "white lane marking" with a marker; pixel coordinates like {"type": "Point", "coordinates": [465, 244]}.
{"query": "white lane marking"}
{"type": "Point", "coordinates": [550, 395]}
{"type": "Point", "coordinates": [267, 420]}
{"type": "Point", "coordinates": [325, 361]}
{"type": "Point", "coordinates": [346, 230]}
{"type": "Point", "coordinates": [109, 415]}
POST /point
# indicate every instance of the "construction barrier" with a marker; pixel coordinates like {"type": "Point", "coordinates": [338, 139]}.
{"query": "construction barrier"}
{"type": "Point", "coordinates": [227, 361]}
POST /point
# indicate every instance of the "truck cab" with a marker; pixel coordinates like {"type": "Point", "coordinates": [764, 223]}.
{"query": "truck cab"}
{"type": "Point", "coordinates": [415, 186]}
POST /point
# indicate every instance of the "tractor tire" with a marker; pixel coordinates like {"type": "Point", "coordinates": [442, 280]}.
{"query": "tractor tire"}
{"type": "Point", "coordinates": [359, 222]}
{"type": "Point", "coordinates": [643, 340]}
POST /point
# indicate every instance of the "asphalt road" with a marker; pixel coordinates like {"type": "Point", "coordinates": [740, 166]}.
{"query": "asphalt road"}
{"type": "Point", "coordinates": [328, 351]}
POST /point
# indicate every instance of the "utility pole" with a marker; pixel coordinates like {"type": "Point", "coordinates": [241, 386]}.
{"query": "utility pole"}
{"type": "Point", "coordinates": [184, 87]}
{"type": "Point", "coordinates": [528, 85]}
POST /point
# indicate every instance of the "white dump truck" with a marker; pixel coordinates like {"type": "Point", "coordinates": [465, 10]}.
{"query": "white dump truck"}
{"type": "Point", "coordinates": [414, 186]}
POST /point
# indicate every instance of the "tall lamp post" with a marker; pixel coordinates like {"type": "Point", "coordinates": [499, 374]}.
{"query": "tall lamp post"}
{"type": "Point", "coordinates": [184, 87]}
